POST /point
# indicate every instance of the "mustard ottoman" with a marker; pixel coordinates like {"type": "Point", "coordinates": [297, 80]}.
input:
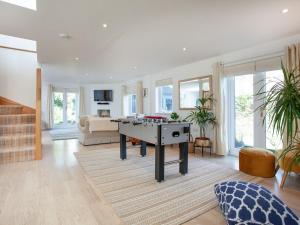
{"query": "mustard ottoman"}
{"type": "Point", "coordinates": [257, 162]}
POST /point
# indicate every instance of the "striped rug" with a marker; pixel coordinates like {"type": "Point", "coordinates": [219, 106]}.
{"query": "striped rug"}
{"type": "Point", "coordinates": [138, 199]}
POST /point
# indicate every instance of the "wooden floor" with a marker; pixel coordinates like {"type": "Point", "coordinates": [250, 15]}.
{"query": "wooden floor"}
{"type": "Point", "coordinates": [54, 190]}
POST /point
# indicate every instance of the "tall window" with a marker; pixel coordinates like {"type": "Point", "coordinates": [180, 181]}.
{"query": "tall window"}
{"type": "Point", "coordinates": [245, 120]}
{"type": "Point", "coordinates": [164, 99]}
{"type": "Point", "coordinates": [132, 104]}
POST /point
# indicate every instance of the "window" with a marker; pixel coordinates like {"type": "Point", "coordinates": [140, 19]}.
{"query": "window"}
{"type": "Point", "coordinates": [29, 4]}
{"type": "Point", "coordinates": [164, 99]}
{"type": "Point", "coordinates": [132, 104]}
{"type": "Point", "coordinates": [191, 90]}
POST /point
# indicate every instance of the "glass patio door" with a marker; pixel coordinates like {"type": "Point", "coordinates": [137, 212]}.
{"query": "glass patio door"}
{"type": "Point", "coordinates": [65, 108]}
{"type": "Point", "coordinates": [246, 122]}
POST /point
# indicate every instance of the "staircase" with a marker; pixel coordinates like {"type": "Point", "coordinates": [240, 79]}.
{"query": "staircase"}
{"type": "Point", "coordinates": [17, 134]}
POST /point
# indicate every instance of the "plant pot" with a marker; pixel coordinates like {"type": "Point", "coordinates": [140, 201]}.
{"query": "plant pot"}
{"type": "Point", "coordinates": [202, 141]}
{"type": "Point", "coordinates": [191, 147]}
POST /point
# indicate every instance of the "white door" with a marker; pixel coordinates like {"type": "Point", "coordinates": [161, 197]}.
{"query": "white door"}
{"type": "Point", "coordinates": [246, 120]}
{"type": "Point", "coordinates": [65, 108]}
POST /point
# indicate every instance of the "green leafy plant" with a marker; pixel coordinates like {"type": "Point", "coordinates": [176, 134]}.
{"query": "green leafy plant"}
{"type": "Point", "coordinates": [174, 116]}
{"type": "Point", "coordinates": [202, 116]}
{"type": "Point", "coordinates": [282, 106]}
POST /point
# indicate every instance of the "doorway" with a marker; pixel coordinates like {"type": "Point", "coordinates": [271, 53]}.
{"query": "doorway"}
{"type": "Point", "coordinates": [246, 121]}
{"type": "Point", "coordinates": [65, 108]}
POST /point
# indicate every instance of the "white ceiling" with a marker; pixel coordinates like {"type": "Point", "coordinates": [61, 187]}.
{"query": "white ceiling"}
{"type": "Point", "coordinates": [148, 34]}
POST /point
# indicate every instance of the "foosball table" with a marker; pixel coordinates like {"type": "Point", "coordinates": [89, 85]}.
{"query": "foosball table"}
{"type": "Point", "coordinates": [160, 132]}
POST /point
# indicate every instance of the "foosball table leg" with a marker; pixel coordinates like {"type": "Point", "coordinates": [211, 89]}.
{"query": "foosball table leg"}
{"type": "Point", "coordinates": [183, 156]}
{"type": "Point", "coordinates": [159, 162]}
{"type": "Point", "coordinates": [143, 148]}
{"type": "Point", "coordinates": [123, 151]}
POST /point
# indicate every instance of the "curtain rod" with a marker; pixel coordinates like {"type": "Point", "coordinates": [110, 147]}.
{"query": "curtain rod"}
{"type": "Point", "coordinates": [257, 58]}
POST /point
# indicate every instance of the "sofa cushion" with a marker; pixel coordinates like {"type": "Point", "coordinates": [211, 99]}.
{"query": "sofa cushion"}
{"type": "Point", "coordinates": [250, 203]}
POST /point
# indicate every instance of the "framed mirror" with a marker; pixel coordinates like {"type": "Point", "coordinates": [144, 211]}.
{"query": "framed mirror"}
{"type": "Point", "coordinates": [192, 89]}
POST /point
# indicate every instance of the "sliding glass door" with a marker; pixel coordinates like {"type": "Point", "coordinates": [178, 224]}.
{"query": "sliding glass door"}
{"type": "Point", "coordinates": [243, 111]}
{"type": "Point", "coordinates": [65, 108]}
{"type": "Point", "coordinates": [246, 121]}
{"type": "Point", "coordinates": [272, 138]}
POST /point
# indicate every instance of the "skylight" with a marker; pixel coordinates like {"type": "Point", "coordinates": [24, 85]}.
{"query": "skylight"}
{"type": "Point", "coordinates": [29, 4]}
{"type": "Point", "coordinates": [17, 43]}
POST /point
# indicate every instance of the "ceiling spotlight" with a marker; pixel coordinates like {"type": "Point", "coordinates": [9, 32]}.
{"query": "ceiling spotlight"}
{"type": "Point", "coordinates": [134, 67]}
{"type": "Point", "coordinates": [76, 58]}
{"type": "Point", "coordinates": [285, 11]}
{"type": "Point", "coordinates": [184, 49]}
{"type": "Point", "coordinates": [104, 25]}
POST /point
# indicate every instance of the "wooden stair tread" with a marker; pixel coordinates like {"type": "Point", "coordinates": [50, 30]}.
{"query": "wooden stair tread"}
{"type": "Point", "coordinates": [17, 149]}
{"type": "Point", "coordinates": [6, 130]}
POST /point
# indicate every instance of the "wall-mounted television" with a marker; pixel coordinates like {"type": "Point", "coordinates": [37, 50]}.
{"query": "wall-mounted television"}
{"type": "Point", "coordinates": [103, 95]}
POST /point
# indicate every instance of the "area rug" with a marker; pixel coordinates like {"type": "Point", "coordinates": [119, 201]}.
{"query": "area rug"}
{"type": "Point", "coordinates": [129, 186]}
{"type": "Point", "coordinates": [64, 134]}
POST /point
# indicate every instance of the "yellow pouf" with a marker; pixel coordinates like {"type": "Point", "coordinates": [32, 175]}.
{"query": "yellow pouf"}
{"type": "Point", "coordinates": [257, 162]}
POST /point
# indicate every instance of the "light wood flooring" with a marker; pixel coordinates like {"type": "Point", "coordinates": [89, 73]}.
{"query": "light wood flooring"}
{"type": "Point", "coordinates": [54, 191]}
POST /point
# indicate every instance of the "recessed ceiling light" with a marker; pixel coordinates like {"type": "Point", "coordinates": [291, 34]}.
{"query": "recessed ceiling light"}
{"type": "Point", "coordinates": [76, 58]}
{"type": "Point", "coordinates": [110, 77]}
{"type": "Point", "coordinates": [134, 67]}
{"type": "Point", "coordinates": [184, 49]}
{"type": "Point", "coordinates": [285, 11]}
{"type": "Point", "coordinates": [104, 25]}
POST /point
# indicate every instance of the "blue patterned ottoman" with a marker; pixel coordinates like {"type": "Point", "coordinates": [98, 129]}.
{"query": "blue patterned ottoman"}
{"type": "Point", "coordinates": [246, 203]}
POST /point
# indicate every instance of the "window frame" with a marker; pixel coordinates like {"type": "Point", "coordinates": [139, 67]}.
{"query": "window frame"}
{"type": "Point", "coordinates": [191, 79]}
{"type": "Point", "coordinates": [158, 99]}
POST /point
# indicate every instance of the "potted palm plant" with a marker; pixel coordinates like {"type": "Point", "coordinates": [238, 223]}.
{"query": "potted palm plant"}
{"type": "Point", "coordinates": [282, 106]}
{"type": "Point", "coordinates": [203, 117]}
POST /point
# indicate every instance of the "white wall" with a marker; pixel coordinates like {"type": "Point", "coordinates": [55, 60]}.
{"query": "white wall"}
{"type": "Point", "coordinates": [18, 76]}
{"type": "Point", "coordinates": [115, 106]}
{"type": "Point", "coordinates": [204, 68]}
{"type": "Point", "coordinates": [91, 107]}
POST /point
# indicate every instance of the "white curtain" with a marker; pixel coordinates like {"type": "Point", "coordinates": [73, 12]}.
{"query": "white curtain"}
{"type": "Point", "coordinates": [221, 109]}
{"type": "Point", "coordinates": [292, 62]}
{"type": "Point", "coordinates": [123, 97]}
{"type": "Point", "coordinates": [292, 57]}
{"type": "Point", "coordinates": [50, 106]}
{"type": "Point", "coordinates": [139, 97]}
{"type": "Point", "coordinates": [81, 102]}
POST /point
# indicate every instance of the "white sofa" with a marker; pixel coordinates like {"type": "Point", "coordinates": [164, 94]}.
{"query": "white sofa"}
{"type": "Point", "coordinates": [97, 130]}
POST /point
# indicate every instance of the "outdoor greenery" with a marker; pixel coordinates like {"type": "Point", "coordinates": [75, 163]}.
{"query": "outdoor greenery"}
{"type": "Point", "coordinates": [202, 116]}
{"type": "Point", "coordinates": [244, 111]}
{"type": "Point", "coordinates": [243, 104]}
{"type": "Point", "coordinates": [58, 102]}
{"type": "Point", "coordinates": [282, 105]}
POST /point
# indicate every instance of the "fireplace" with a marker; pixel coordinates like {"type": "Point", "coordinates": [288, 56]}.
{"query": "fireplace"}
{"type": "Point", "coordinates": [103, 112]}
